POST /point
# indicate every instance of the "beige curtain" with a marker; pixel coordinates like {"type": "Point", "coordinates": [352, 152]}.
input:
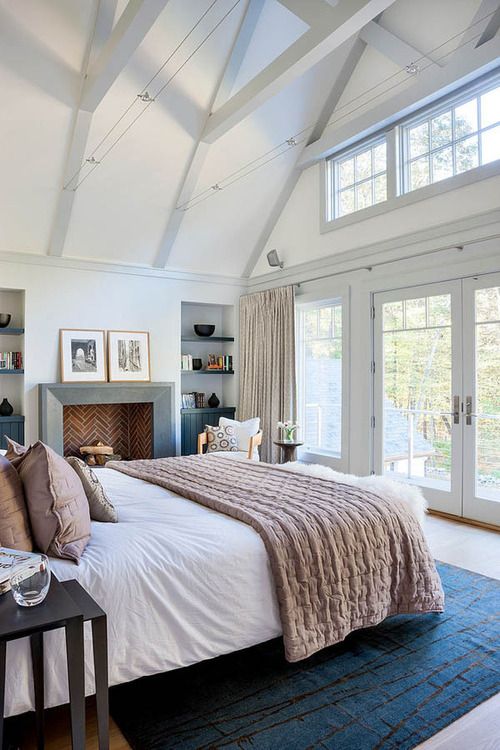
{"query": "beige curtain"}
{"type": "Point", "coordinates": [267, 362]}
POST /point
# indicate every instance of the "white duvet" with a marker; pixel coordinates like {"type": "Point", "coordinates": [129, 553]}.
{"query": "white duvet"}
{"type": "Point", "coordinates": [179, 583]}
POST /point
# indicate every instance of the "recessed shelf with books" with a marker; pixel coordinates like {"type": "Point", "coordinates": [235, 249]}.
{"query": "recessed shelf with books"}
{"type": "Point", "coordinates": [197, 352]}
{"type": "Point", "coordinates": [207, 372]}
{"type": "Point", "coordinates": [12, 354]}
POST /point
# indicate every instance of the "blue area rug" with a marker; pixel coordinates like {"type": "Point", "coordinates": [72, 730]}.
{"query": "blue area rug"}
{"type": "Point", "coordinates": [392, 686]}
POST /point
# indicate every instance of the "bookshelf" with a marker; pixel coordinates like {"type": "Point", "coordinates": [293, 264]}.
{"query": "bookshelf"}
{"type": "Point", "coordinates": [12, 382]}
{"type": "Point", "coordinates": [220, 344]}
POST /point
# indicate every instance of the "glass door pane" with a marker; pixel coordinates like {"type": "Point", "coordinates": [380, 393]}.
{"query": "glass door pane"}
{"type": "Point", "coordinates": [417, 437]}
{"type": "Point", "coordinates": [417, 389]}
{"type": "Point", "coordinates": [482, 399]}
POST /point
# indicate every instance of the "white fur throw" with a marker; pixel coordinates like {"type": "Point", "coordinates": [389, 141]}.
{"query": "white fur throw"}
{"type": "Point", "coordinates": [383, 486]}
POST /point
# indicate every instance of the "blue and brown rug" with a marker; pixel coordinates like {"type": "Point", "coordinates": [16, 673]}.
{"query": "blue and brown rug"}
{"type": "Point", "coordinates": [388, 687]}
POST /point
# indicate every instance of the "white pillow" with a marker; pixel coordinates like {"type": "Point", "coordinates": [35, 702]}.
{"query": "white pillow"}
{"type": "Point", "coordinates": [243, 430]}
{"type": "Point", "coordinates": [2, 452]}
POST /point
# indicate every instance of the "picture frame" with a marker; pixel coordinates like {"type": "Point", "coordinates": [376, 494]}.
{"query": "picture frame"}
{"type": "Point", "coordinates": [82, 354]}
{"type": "Point", "coordinates": [128, 357]}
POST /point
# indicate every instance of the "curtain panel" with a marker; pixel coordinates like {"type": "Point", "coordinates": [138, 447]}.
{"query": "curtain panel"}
{"type": "Point", "coordinates": [267, 362]}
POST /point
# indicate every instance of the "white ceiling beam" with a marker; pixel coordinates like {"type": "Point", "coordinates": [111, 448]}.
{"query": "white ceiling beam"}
{"type": "Point", "coordinates": [130, 30]}
{"type": "Point", "coordinates": [307, 51]}
{"type": "Point", "coordinates": [238, 52]}
{"type": "Point", "coordinates": [345, 61]}
{"type": "Point", "coordinates": [491, 28]}
{"type": "Point", "coordinates": [479, 23]}
{"type": "Point", "coordinates": [390, 45]}
{"type": "Point", "coordinates": [79, 129]}
{"type": "Point", "coordinates": [465, 66]}
{"type": "Point", "coordinates": [199, 151]}
{"type": "Point", "coordinates": [107, 52]}
{"type": "Point", "coordinates": [312, 12]}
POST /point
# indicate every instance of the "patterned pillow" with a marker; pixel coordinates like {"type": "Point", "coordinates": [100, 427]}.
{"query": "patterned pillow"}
{"type": "Point", "coordinates": [221, 439]}
{"type": "Point", "coordinates": [101, 509]}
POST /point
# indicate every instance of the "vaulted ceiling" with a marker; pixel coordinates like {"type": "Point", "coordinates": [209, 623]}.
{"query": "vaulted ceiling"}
{"type": "Point", "coordinates": [196, 179]}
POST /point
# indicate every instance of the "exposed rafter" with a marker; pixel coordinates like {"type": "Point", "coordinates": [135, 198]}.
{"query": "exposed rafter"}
{"type": "Point", "coordinates": [131, 28]}
{"type": "Point", "coordinates": [483, 17]}
{"type": "Point", "coordinates": [345, 60]}
{"type": "Point", "coordinates": [106, 51]}
{"type": "Point", "coordinates": [466, 65]}
{"type": "Point", "coordinates": [199, 151]}
{"type": "Point", "coordinates": [392, 46]}
{"type": "Point", "coordinates": [491, 28]}
{"type": "Point", "coordinates": [312, 12]}
{"type": "Point", "coordinates": [346, 20]}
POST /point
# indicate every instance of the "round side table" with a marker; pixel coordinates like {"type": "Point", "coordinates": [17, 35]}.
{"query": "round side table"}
{"type": "Point", "coordinates": [288, 448]}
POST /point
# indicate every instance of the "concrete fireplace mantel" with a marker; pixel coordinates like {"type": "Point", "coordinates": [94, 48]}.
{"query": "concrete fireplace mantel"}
{"type": "Point", "coordinates": [54, 396]}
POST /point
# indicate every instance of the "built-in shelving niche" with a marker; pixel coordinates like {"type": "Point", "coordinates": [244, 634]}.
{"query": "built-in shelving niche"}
{"type": "Point", "coordinates": [12, 381]}
{"type": "Point", "coordinates": [222, 342]}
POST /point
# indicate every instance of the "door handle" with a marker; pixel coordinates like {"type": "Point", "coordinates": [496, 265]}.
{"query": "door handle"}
{"type": "Point", "coordinates": [468, 410]}
{"type": "Point", "coordinates": [456, 409]}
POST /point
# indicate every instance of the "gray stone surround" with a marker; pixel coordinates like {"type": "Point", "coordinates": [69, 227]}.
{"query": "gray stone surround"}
{"type": "Point", "coordinates": [54, 396]}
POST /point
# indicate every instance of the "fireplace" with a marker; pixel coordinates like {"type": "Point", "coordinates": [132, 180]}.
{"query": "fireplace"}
{"type": "Point", "coordinates": [136, 419]}
{"type": "Point", "coordinates": [128, 428]}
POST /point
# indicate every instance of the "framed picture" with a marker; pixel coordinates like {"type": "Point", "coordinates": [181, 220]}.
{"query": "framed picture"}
{"type": "Point", "coordinates": [128, 356]}
{"type": "Point", "coordinates": [83, 356]}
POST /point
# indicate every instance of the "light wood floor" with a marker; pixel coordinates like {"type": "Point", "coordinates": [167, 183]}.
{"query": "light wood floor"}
{"type": "Point", "coordinates": [452, 542]}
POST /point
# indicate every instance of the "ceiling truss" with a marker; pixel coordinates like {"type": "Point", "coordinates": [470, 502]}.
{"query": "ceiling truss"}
{"type": "Point", "coordinates": [108, 52]}
{"type": "Point", "coordinates": [200, 149]}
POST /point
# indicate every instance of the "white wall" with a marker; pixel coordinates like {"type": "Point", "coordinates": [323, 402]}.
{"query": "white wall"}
{"type": "Point", "coordinates": [81, 297]}
{"type": "Point", "coordinates": [298, 239]}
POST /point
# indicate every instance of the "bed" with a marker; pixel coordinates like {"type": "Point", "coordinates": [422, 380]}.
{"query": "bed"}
{"type": "Point", "coordinates": [180, 583]}
{"type": "Point", "coordinates": [203, 559]}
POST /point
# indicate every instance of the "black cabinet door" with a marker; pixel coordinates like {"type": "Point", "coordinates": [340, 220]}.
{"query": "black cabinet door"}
{"type": "Point", "coordinates": [193, 422]}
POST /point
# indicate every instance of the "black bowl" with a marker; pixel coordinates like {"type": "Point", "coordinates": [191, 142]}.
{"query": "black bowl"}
{"type": "Point", "coordinates": [4, 319]}
{"type": "Point", "coordinates": [203, 329]}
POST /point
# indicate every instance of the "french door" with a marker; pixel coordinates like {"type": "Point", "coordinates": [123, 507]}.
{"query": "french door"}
{"type": "Point", "coordinates": [437, 393]}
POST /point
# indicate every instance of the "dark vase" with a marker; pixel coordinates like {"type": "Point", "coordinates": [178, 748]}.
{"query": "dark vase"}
{"type": "Point", "coordinates": [197, 363]}
{"type": "Point", "coordinates": [6, 409]}
{"type": "Point", "coordinates": [213, 401]}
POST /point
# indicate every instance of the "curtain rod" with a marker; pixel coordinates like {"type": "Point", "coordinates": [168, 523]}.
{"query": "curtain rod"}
{"type": "Point", "coordinates": [459, 248]}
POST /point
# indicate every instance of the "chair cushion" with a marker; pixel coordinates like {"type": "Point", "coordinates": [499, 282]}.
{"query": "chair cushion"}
{"type": "Point", "coordinates": [221, 439]}
{"type": "Point", "coordinates": [101, 508]}
{"type": "Point", "coordinates": [14, 527]}
{"type": "Point", "coordinates": [57, 506]}
{"type": "Point", "coordinates": [243, 430]}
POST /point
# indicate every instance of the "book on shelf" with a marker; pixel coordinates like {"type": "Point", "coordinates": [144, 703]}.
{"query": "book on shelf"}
{"type": "Point", "coordinates": [9, 558]}
{"type": "Point", "coordinates": [11, 361]}
{"type": "Point", "coordinates": [186, 362]}
{"type": "Point", "coordinates": [220, 362]}
{"type": "Point", "coordinates": [193, 400]}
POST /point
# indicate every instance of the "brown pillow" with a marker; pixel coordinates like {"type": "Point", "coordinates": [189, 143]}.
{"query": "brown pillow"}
{"type": "Point", "coordinates": [56, 502]}
{"type": "Point", "coordinates": [14, 527]}
{"type": "Point", "coordinates": [101, 508]}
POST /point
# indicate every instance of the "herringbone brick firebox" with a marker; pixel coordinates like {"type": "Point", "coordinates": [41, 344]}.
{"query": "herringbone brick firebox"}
{"type": "Point", "coordinates": [128, 428]}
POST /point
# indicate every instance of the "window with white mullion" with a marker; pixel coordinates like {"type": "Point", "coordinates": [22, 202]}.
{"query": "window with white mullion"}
{"type": "Point", "coordinates": [454, 139]}
{"type": "Point", "coordinates": [359, 178]}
